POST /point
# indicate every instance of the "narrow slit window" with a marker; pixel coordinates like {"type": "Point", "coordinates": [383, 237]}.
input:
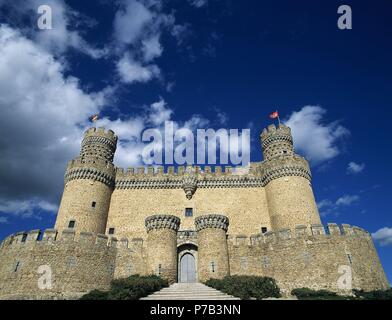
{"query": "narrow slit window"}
{"type": "Point", "coordinates": [17, 266]}
{"type": "Point", "coordinates": [111, 231]}
{"type": "Point", "coordinates": [93, 204]}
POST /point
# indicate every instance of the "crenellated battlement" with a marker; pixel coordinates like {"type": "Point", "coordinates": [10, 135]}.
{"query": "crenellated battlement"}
{"type": "Point", "coordinates": [313, 233]}
{"type": "Point", "coordinates": [101, 132]}
{"type": "Point", "coordinates": [272, 133]}
{"type": "Point", "coordinates": [52, 236]}
{"type": "Point", "coordinates": [256, 175]}
{"type": "Point", "coordinates": [172, 171]}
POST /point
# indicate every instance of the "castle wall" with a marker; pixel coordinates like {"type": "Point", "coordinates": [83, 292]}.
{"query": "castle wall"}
{"type": "Point", "coordinates": [76, 267]}
{"type": "Point", "coordinates": [245, 207]}
{"type": "Point", "coordinates": [300, 257]}
{"type": "Point", "coordinates": [310, 258]}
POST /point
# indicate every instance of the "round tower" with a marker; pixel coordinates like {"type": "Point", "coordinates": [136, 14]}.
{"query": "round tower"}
{"type": "Point", "coordinates": [162, 245]}
{"type": "Point", "coordinates": [88, 184]}
{"type": "Point", "coordinates": [213, 256]}
{"type": "Point", "coordinates": [287, 180]}
{"type": "Point", "coordinates": [277, 142]}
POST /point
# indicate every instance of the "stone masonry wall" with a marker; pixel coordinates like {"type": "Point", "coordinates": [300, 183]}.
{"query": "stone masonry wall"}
{"type": "Point", "coordinates": [301, 257]}
{"type": "Point", "coordinates": [245, 207]}
{"type": "Point", "coordinates": [310, 258]}
{"type": "Point", "coordinates": [76, 266]}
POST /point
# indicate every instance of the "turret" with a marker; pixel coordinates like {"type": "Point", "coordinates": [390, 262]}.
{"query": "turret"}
{"type": "Point", "coordinates": [213, 256]}
{"type": "Point", "coordinates": [276, 142]}
{"type": "Point", "coordinates": [288, 181]}
{"type": "Point", "coordinates": [162, 245]}
{"type": "Point", "coordinates": [88, 184]}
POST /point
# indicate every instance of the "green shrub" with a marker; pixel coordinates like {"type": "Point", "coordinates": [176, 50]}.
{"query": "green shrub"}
{"type": "Point", "coordinates": [310, 294]}
{"type": "Point", "coordinates": [246, 287]}
{"type": "Point", "coordinates": [95, 295]}
{"type": "Point", "coordinates": [374, 295]}
{"type": "Point", "coordinates": [131, 288]}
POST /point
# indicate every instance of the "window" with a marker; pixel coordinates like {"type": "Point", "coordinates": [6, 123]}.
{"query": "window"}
{"type": "Point", "coordinates": [188, 212]}
{"type": "Point", "coordinates": [71, 261]}
{"type": "Point", "coordinates": [265, 261]}
{"type": "Point", "coordinates": [24, 237]}
{"type": "Point", "coordinates": [350, 258]}
{"type": "Point", "coordinates": [264, 229]}
{"type": "Point", "coordinates": [159, 269]}
{"type": "Point", "coordinates": [93, 204]}
{"type": "Point", "coordinates": [17, 266]}
{"type": "Point", "coordinates": [111, 230]}
{"type": "Point", "coordinates": [213, 266]}
{"type": "Point", "coordinates": [71, 224]}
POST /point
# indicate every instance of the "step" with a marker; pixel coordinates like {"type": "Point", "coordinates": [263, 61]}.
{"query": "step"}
{"type": "Point", "coordinates": [189, 291]}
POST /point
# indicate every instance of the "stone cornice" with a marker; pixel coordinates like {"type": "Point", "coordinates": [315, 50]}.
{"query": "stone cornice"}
{"type": "Point", "coordinates": [278, 137]}
{"type": "Point", "coordinates": [212, 221]}
{"type": "Point", "coordinates": [162, 221]}
{"type": "Point", "coordinates": [89, 173]}
{"type": "Point", "coordinates": [286, 172]}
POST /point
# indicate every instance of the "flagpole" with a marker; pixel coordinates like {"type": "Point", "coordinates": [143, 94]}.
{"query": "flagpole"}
{"type": "Point", "coordinates": [278, 117]}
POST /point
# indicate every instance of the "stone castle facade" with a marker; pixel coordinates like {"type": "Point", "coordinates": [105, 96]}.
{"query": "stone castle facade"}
{"type": "Point", "coordinates": [188, 224]}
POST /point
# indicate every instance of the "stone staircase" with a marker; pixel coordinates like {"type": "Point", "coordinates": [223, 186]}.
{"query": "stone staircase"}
{"type": "Point", "coordinates": [189, 291]}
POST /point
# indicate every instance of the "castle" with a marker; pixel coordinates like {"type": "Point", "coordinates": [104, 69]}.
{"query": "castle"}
{"type": "Point", "coordinates": [187, 224]}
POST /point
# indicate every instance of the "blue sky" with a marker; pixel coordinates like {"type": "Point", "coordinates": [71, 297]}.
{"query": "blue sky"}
{"type": "Point", "coordinates": [200, 63]}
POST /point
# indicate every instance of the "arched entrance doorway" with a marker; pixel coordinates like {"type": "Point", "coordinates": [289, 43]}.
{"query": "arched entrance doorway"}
{"type": "Point", "coordinates": [187, 262]}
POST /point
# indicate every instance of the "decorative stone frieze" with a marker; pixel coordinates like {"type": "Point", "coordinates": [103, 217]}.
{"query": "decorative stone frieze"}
{"type": "Point", "coordinates": [161, 221]}
{"type": "Point", "coordinates": [91, 174]}
{"type": "Point", "coordinates": [212, 221]}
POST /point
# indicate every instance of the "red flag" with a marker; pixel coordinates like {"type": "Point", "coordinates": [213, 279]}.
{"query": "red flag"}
{"type": "Point", "coordinates": [94, 118]}
{"type": "Point", "coordinates": [274, 115]}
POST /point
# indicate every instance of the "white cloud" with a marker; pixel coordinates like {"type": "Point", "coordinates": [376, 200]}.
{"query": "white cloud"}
{"type": "Point", "coordinates": [383, 236]}
{"type": "Point", "coordinates": [26, 208]}
{"type": "Point", "coordinates": [130, 21]}
{"type": "Point", "coordinates": [152, 48]}
{"type": "Point", "coordinates": [132, 71]}
{"type": "Point", "coordinates": [198, 3]}
{"type": "Point", "coordinates": [354, 168]}
{"type": "Point", "coordinates": [159, 112]}
{"type": "Point", "coordinates": [347, 200]}
{"type": "Point", "coordinates": [315, 139]}
{"type": "Point", "coordinates": [138, 26]}
{"type": "Point", "coordinates": [42, 116]}
{"type": "Point", "coordinates": [324, 204]}
{"type": "Point", "coordinates": [58, 39]}
{"type": "Point", "coordinates": [327, 207]}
